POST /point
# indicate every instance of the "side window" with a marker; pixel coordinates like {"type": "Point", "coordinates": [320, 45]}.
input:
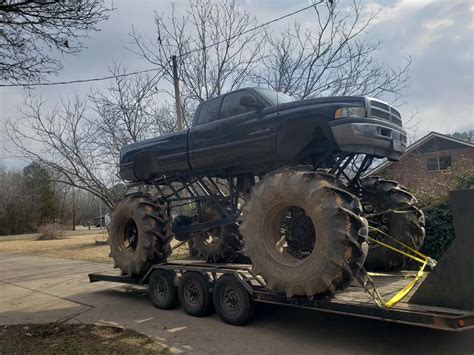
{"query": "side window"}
{"type": "Point", "coordinates": [438, 163]}
{"type": "Point", "coordinates": [209, 111]}
{"type": "Point", "coordinates": [231, 105]}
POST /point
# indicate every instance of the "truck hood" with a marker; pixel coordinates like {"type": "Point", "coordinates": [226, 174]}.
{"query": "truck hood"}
{"type": "Point", "coordinates": [359, 100]}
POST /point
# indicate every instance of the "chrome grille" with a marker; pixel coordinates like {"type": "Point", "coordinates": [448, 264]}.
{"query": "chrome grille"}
{"type": "Point", "coordinates": [385, 112]}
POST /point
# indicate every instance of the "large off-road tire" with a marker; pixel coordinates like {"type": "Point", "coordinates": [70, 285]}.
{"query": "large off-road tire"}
{"type": "Point", "coordinates": [406, 223]}
{"type": "Point", "coordinates": [220, 244]}
{"type": "Point", "coordinates": [339, 233]}
{"type": "Point", "coordinates": [140, 234]}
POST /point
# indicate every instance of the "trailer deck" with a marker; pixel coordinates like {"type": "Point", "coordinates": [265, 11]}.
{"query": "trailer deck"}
{"type": "Point", "coordinates": [354, 301]}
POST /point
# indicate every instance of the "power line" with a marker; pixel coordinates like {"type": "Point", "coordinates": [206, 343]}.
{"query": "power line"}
{"type": "Point", "coordinates": [155, 69]}
{"type": "Point", "coordinates": [80, 80]}
{"type": "Point", "coordinates": [252, 29]}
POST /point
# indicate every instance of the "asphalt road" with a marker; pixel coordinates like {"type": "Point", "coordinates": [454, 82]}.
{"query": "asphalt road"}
{"type": "Point", "coordinates": [38, 289]}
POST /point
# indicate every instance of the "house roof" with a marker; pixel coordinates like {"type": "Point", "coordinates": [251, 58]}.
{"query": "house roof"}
{"type": "Point", "coordinates": [418, 144]}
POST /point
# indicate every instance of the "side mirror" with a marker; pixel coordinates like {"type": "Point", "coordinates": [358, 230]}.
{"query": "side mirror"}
{"type": "Point", "coordinates": [250, 101]}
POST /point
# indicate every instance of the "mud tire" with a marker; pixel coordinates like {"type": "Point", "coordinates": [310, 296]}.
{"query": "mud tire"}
{"type": "Point", "coordinates": [152, 234]}
{"type": "Point", "coordinates": [408, 228]}
{"type": "Point", "coordinates": [340, 247]}
{"type": "Point", "coordinates": [220, 244]}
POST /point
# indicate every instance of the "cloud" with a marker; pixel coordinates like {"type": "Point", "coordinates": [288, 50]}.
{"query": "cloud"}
{"type": "Point", "coordinates": [437, 34]}
{"type": "Point", "coordinates": [439, 37]}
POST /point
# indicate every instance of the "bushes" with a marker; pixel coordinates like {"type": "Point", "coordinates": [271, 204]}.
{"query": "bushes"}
{"type": "Point", "coordinates": [439, 230]}
{"type": "Point", "coordinates": [50, 232]}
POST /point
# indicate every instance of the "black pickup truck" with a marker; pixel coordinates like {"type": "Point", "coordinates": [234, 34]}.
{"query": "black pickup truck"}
{"type": "Point", "coordinates": [270, 177]}
{"type": "Point", "coordinates": [258, 130]}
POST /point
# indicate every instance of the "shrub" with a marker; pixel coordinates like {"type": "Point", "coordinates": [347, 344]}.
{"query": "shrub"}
{"type": "Point", "coordinates": [439, 230]}
{"type": "Point", "coordinates": [50, 232]}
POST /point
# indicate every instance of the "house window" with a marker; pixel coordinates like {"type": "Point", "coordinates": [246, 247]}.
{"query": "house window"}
{"type": "Point", "coordinates": [439, 163]}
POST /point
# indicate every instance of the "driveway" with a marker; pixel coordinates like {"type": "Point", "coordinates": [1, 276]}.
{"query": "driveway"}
{"type": "Point", "coordinates": [39, 289]}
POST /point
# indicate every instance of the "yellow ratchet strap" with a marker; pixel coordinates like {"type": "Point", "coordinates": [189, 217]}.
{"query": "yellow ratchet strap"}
{"type": "Point", "coordinates": [420, 257]}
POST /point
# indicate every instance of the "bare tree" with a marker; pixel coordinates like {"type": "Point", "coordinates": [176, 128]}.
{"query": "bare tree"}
{"type": "Point", "coordinates": [63, 139]}
{"type": "Point", "coordinates": [330, 57]}
{"type": "Point", "coordinates": [215, 45]}
{"type": "Point", "coordinates": [30, 30]}
{"type": "Point", "coordinates": [80, 139]}
{"type": "Point", "coordinates": [130, 110]}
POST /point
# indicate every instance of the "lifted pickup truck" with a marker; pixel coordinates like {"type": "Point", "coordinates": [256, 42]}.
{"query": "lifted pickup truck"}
{"type": "Point", "coordinates": [279, 177]}
{"type": "Point", "coordinates": [259, 130]}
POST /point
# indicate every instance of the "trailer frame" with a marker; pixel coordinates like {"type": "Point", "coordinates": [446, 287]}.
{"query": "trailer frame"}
{"type": "Point", "coordinates": [348, 302]}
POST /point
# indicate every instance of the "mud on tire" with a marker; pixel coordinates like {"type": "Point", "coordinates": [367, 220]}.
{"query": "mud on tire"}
{"type": "Point", "coordinates": [408, 226]}
{"type": "Point", "coordinates": [139, 234]}
{"type": "Point", "coordinates": [340, 232]}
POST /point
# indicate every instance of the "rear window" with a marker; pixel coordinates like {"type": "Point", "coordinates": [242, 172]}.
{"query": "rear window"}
{"type": "Point", "coordinates": [209, 111]}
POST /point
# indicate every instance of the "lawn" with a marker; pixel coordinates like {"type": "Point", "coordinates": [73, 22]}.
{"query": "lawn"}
{"type": "Point", "coordinates": [76, 246]}
{"type": "Point", "coordinates": [56, 338]}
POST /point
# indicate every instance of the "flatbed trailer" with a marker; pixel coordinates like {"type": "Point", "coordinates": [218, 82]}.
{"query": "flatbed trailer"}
{"type": "Point", "coordinates": [353, 301]}
{"type": "Point", "coordinates": [442, 299]}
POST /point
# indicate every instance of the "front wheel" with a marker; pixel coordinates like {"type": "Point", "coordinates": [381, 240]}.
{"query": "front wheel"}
{"type": "Point", "coordinates": [390, 208]}
{"type": "Point", "coordinates": [304, 233]}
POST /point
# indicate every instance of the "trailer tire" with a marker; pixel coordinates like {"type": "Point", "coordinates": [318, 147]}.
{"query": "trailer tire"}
{"type": "Point", "coordinates": [139, 234]}
{"type": "Point", "coordinates": [233, 303]}
{"type": "Point", "coordinates": [194, 293]}
{"type": "Point", "coordinates": [162, 289]}
{"type": "Point", "coordinates": [409, 227]}
{"type": "Point", "coordinates": [340, 244]}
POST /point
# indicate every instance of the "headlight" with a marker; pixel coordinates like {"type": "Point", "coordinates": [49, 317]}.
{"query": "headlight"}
{"type": "Point", "coordinates": [350, 112]}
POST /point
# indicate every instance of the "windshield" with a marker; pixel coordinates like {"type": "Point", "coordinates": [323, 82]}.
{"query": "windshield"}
{"type": "Point", "coordinates": [275, 97]}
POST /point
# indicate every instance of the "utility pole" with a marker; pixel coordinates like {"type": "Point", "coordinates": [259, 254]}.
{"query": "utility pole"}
{"type": "Point", "coordinates": [177, 96]}
{"type": "Point", "coordinates": [73, 210]}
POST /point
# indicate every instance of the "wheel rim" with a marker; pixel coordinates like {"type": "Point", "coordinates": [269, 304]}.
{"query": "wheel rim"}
{"type": "Point", "coordinates": [130, 236]}
{"type": "Point", "coordinates": [211, 237]}
{"type": "Point", "coordinates": [192, 294]}
{"type": "Point", "coordinates": [161, 289]}
{"type": "Point", "coordinates": [295, 238]}
{"type": "Point", "coordinates": [230, 300]}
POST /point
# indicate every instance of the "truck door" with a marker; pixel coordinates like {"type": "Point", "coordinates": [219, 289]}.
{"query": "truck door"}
{"type": "Point", "coordinates": [245, 133]}
{"type": "Point", "coordinates": [204, 135]}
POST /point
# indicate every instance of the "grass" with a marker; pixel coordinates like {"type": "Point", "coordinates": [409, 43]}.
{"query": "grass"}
{"type": "Point", "coordinates": [74, 246]}
{"type": "Point", "coordinates": [56, 338]}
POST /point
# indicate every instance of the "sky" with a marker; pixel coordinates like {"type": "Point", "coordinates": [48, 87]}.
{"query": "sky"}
{"type": "Point", "coordinates": [438, 36]}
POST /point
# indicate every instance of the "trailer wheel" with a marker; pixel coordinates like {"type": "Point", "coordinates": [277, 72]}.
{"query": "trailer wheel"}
{"type": "Point", "coordinates": [233, 303]}
{"type": "Point", "coordinates": [380, 195]}
{"type": "Point", "coordinates": [333, 247]}
{"type": "Point", "coordinates": [162, 289]}
{"type": "Point", "coordinates": [194, 293]}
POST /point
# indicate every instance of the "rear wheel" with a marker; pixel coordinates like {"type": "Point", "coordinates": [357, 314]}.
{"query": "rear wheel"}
{"type": "Point", "coordinates": [389, 207]}
{"type": "Point", "coordinates": [219, 244]}
{"type": "Point", "coordinates": [232, 301]}
{"type": "Point", "coordinates": [139, 234]}
{"type": "Point", "coordinates": [303, 233]}
{"type": "Point", "coordinates": [194, 294]}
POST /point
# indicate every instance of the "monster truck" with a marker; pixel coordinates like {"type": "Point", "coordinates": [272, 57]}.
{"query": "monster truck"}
{"type": "Point", "coordinates": [280, 178]}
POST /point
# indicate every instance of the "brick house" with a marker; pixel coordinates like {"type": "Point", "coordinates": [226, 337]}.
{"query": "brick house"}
{"type": "Point", "coordinates": [431, 164]}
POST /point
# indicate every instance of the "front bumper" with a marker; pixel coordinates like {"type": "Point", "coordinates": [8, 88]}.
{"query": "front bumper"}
{"type": "Point", "coordinates": [370, 136]}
